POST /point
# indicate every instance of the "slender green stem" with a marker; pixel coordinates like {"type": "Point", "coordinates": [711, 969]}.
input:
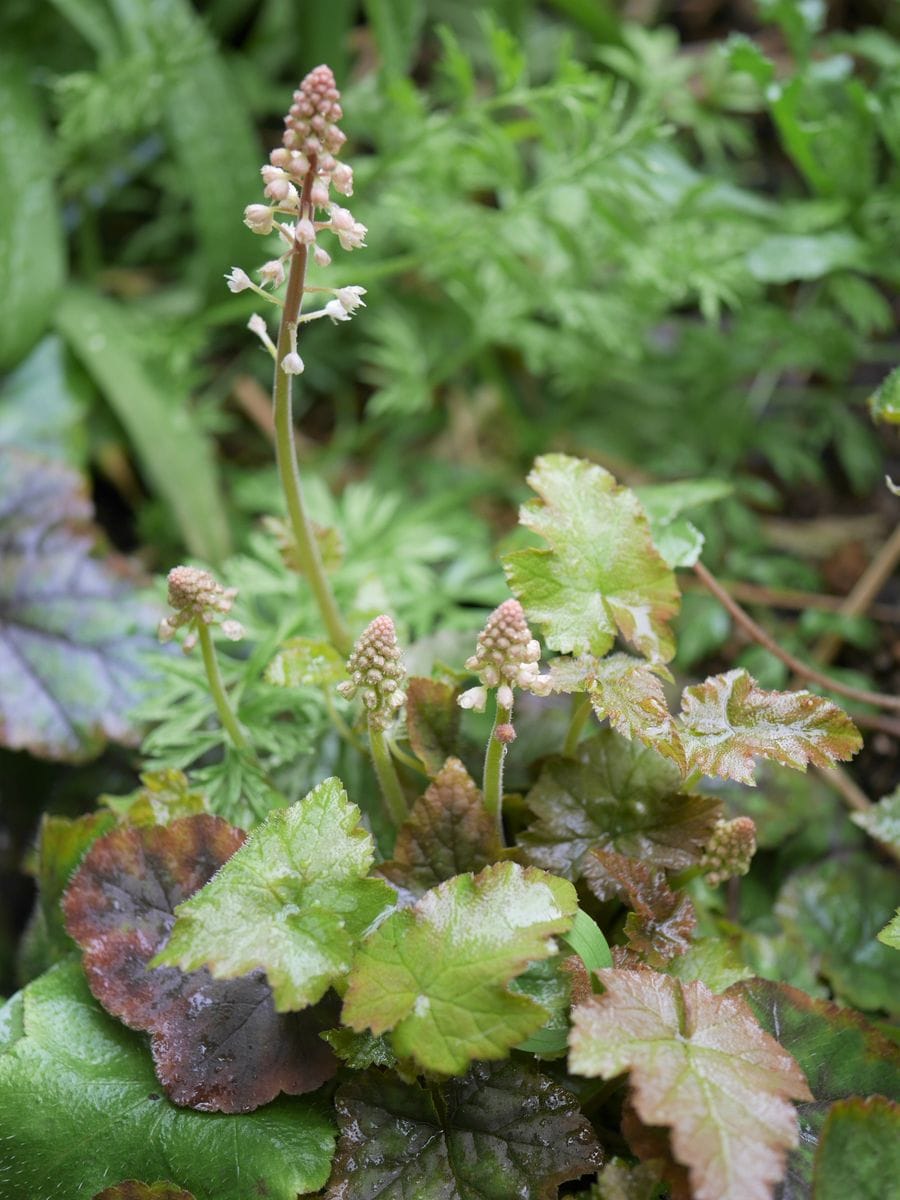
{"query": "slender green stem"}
{"type": "Point", "coordinates": [406, 759]}
{"type": "Point", "coordinates": [492, 785]}
{"type": "Point", "coordinates": [580, 713]}
{"type": "Point", "coordinates": [217, 688]}
{"type": "Point", "coordinates": [391, 791]}
{"type": "Point", "coordinates": [691, 781]}
{"type": "Point", "coordinates": [288, 469]}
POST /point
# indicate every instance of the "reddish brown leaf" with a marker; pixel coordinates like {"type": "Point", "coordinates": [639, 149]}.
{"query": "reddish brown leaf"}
{"type": "Point", "coordinates": [132, 1189]}
{"type": "Point", "coordinates": [447, 833]}
{"type": "Point", "coordinates": [432, 721]}
{"type": "Point", "coordinates": [661, 922]}
{"type": "Point", "coordinates": [218, 1045]}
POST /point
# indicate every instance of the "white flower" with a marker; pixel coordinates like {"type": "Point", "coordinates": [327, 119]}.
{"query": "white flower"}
{"type": "Point", "coordinates": [351, 233]}
{"type": "Point", "coordinates": [233, 630]}
{"type": "Point", "coordinates": [305, 232]}
{"type": "Point", "coordinates": [257, 325]}
{"type": "Point", "coordinates": [336, 311]}
{"type": "Point", "coordinates": [319, 194]}
{"type": "Point", "coordinates": [272, 272]}
{"type": "Point", "coordinates": [342, 178]}
{"type": "Point", "coordinates": [258, 217]}
{"type": "Point", "coordinates": [351, 297]}
{"type": "Point", "coordinates": [292, 364]}
{"type": "Point", "coordinates": [322, 257]}
{"type": "Point", "coordinates": [237, 280]}
{"type": "Point", "coordinates": [475, 698]}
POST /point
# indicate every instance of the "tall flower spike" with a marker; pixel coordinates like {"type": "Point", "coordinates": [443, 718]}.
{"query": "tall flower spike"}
{"type": "Point", "coordinates": [198, 598]}
{"type": "Point", "coordinates": [506, 657]}
{"type": "Point", "coordinates": [376, 671]}
{"type": "Point", "coordinates": [729, 850]}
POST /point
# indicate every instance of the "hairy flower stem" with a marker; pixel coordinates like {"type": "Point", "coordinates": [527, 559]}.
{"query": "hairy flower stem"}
{"type": "Point", "coordinates": [492, 785]}
{"type": "Point", "coordinates": [217, 688]}
{"type": "Point", "coordinates": [391, 791]}
{"type": "Point", "coordinates": [580, 713]}
{"type": "Point", "coordinates": [288, 469]}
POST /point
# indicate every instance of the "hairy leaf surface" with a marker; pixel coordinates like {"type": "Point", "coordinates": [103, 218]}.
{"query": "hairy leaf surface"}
{"type": "Point", "coordinates": [71, 629]}
{"type": "Point", "coordinates": [841, 1054]}
{"type": "Point", "coordinates": [661, 922]}
{"type": "Point", "coordinates": [293, 901]}
{"type": "Point", "coordinates": [616, 795]}
{"type": "Point", "coordinates": [728, 721]}
{"type": "Point", "coordinates": [882, 820]}
{"type": "Point", "coordinates": [133, 1189]}
{"type": "Point", "coordinates": [218, 1046]}
{"type": "Point", "coordinates": [859, 1150]}
{"type": "Point", "coordinates": [436, 974]}
{"type": "Point", "coordinates": [499, 1131]}
{"type": "Point", "coordinates": [432, 721]}
{"type": "Point", "coordinates": [700, 1065]}
{"type": "Point", "coordinates": [447, 833]}
{"type": "Point", "coordinates": [95, 1113]}
{"type": "Point", "coordinates": [601, 574]}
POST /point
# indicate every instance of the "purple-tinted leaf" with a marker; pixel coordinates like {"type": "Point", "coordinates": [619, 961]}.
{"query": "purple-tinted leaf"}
{"type": "Point", "coordinates": [499, 1131]}
{"type": "Point", "coordinates": [661, 922]}
{"type": "Point", "coordinates": [71, 630]}
{"type": "Point", "coordinates": [218, 1045]}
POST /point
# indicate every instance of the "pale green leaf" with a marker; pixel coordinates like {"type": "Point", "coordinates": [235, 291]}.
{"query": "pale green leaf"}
{"type": "Point", "coordinates": [436, 974]}
{"type": "Point", "coordinates": [600, 575]}
{"type": "Point", "coordinates": [677, 539]}
{"type": "Point", "coordinates": [305, 662]}
{"type": "Point", "coordinates": [783, 257]}
{"type": "Point", "coordinates": [882, 820]}
{"type": "Point", "coordinates": [884, 403]}
{"type": "Point", "coordinates": [293, 900]}
{"type": "Point", "coordinates": [890, 935]}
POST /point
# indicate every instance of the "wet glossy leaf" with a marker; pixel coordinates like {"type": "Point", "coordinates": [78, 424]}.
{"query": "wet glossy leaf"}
{"type": "Point", "coordinates": [728, 721]}
{"type": "Point", "coordinates": [661, 922]}
{"type": "Point", "coordinates": [497, 1132]}
{"type": "Point", "coordinates": [436, 974]}
{"type": "Point", "coordinates": [620, 1181]}
{"type": "Point", "coordinates": [293, 901]}
{"type": "Point", "coordinates": [601, 574]}
{"type": "Point", "coordinates": [700, 1065]}
{"type": "Point", "coordinates": [836, 909]}
{"type": "Point", "coordinates": [132, 1189]}
{"type": "Point", "coordinates": [714, 960]}
{"type": "Point", "coordinates": [218, 1046]}
{"type": "Point", "coordinates": [882, 820]}
{"type": "Point", "coordinates": [95, 1113]}
{"type": "Point", "coordinates": [360, 1050]}
{"type": "Point", "coordinates": [164, 796]}
{"type": "Point", "coordinates": [840, 1053]}
{"type": "Point", "coordinates": [447, 833]}
{"type": "Point", "coordinates": [432, 721]}
{"type": "Point", "coordinates": [72, 632]}
{"type": "Point", "coordinates": [305, 662]}
{"type": "Point", "coordinates": [859, 1150]}
{"type": "Point", "coordinates": [677, 539]}
{"type": "Point", "coordinates": [615, 795]}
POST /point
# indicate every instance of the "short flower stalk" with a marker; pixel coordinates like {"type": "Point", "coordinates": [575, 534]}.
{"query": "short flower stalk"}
{"type": "Point", "coordinates": [297, 182]}
{"type": "Point", "coordinates": [377, 676]}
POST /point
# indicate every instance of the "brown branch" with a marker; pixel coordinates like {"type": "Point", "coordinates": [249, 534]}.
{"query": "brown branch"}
{"type": "Point", "coordinates": [762, 638]}
{"type": "Point", "coordinates": [863, 592]}
{"type": "Point", "coordinates": [796, 599]}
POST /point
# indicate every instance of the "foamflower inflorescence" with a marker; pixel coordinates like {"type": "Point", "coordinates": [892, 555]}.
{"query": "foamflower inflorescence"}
{"type": "Point", "coordinates": [197, 597]}
{"type": "Point", "coordinates": [297, 183]}
{"type": "Point", "coordinates": [506, 657]}
{"type": "Point", "coordinates": [377, 672]}
{"type": "Point", "coordinates": [729, 850]}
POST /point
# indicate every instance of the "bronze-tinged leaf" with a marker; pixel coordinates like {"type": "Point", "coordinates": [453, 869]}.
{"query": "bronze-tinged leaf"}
{"type": "Point", "coordinates": [615, 795]}
{"type": "Point", "coordinates": [447, 833]}
{"type": "Point", "coordinates": [72, 631]}
{"type": "Point", "coordinates": [432, 721]}
{"type": "Point", "coordinates": [218, 1045]}
{"type": "Point", "coordinates": [499, 1131]}
{"type": "Point", "coordinates": [133, 1189]}
{"type": "Point", "coordinates": [700, 1065]}
{"type": "Point", "coordinates": [662, 922]}
{"type": "Point", "coordinates": [728, 721]}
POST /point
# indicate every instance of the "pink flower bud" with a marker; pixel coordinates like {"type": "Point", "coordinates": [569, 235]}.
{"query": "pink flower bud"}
{"type": "Point", "coordinates": [322, 257]}
{"type": "Point", "coordinates": [319, 194]}
{"type": "Point", "coordinates": [258, 217]}
{"type": "Point", "coordinates": [305, 232]}
{"type": "Point", "coordinates": [280, 157]}
{"type": "Point", "coordinates": [272, 272]}
{"type": "Point", "coordinates": [342, 178]}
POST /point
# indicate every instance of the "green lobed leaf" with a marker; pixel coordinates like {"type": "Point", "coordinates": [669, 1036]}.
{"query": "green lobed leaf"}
{"type": "Point", "coordinates": [713, 960]}
{"type": "Point", "coordinates": [601, 574]}
{"type": "Point", "coordinates": [677, 539]}
{"type": "Point", "coordinates": [499, 1131]}
{"type": "Point", "coordinates": [432, 721]}
{"type": "Point", "coordinates": [448, 832]}
{"type": "Point", "coordinates": [836, 910]}
{"type": "Point", "coordinates": [94, 1112]}
{"type": "Point", "coordinates": [882, 820]}
{"type": "Point", "coordinates": [436, 974]}
{"type": "Point", "coordinates": [890, 935]}
{"type": "Point", "coordinates": [293, 901]}
{"type": "Point", "coordinates": [306, 662]}
{"type": "Point", "coordinates": [176, 457]}
{"type": "Point", "coordinates": [218, 1045]}
{"type": "Point", "coordinates": [32, 263]}
{"type": "Point", "coordinates": [164, 796]}
{"type": "Point", "coordinates": [859, 1150]}
{"type": "Point", "coordinates": [615, 795]}
{"type": "Point", "coordinates": [729, 720]}
{"type": "Point", "coordinates": [700, 1065]}
{"type": "Point", "coordinates": [73, 632]}
{"type": "Point", "coordinates": [840, 1053]}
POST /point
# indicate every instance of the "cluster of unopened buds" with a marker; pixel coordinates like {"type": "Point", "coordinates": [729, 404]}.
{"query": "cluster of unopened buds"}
{"type": "Point", "coordinates": [506, 657]}
{"type": "Point", "coordinates": [729, 850]}
{"type": "Point", "coordinates": [198, 599]}
{"type": "Point", "coordinates": [377, 672]}
{"type": "Point", "coordinates": [297, 182]}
